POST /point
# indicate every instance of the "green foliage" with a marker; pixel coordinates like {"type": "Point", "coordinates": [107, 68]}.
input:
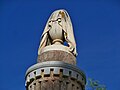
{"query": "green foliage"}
{"type": "Point", "coordinates": [100, 88]}
{"type": "Point", "coordinates": [95, 85]}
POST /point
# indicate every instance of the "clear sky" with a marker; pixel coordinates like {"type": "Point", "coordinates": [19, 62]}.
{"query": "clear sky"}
{"type": "Point", "coordinates": [96, 27]}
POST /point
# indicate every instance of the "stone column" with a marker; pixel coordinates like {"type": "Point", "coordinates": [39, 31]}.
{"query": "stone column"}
{"type": "Point", "coordinates": [56, 70]}
{"type": "Point", "coordinates": [56, 63]}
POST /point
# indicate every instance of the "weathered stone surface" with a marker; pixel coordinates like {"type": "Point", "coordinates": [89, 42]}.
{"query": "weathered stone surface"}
{"type": "Point", "coordinates": [57, 56]}
{"type": "Point", "coordinates": [55, 83]}
{"type": "Point", "coordinates": [56, 53]}
{"type": "Point", "coordinates": [46, 73]}
{"type": "Point", "coordinates": [60, 76]}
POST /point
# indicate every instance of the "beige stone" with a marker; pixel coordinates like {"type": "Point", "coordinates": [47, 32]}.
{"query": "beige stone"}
{"type": "Point", "coordinates": [58, 30]}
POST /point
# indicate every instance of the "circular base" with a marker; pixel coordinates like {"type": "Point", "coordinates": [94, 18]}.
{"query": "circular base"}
{"type": "Point", "coordinates": [56, 53]}
{"type": "Point", "coordinates": [55, 74]}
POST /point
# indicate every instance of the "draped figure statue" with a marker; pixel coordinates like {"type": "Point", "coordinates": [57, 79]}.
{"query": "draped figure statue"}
{"type": "Point", "coordinates": [59, 30]}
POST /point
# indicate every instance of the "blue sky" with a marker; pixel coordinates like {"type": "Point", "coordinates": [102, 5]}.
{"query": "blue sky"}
{"type": "Point", "coordinates": [96, 28]}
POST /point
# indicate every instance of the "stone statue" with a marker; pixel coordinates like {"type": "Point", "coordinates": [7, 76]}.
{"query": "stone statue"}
{"type": "Point", "coordinates": [59, 30]}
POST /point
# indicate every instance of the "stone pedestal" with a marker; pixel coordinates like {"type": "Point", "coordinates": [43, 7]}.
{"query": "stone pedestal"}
{"type": "Point", "coordinates": [55, 75]}
{"type": "Point", "coordinates": [56, 53]}
{"type": "Point", "coordinates": [56, 70]}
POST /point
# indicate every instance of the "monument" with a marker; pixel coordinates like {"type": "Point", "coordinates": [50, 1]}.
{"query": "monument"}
{"type": "Point", "coordinates": [56, 63]}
